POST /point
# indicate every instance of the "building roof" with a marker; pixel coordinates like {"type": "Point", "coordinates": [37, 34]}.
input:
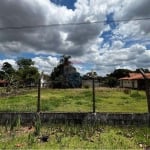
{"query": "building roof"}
{"type": "Point", "coordinates": [135, 76]}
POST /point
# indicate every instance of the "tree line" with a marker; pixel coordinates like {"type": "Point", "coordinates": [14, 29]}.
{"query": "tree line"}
{"type": "Point", "coordinates": [63, 75]}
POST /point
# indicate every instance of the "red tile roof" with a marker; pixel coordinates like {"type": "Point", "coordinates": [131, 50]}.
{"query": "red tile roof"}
{"type": "Point", "coordinates": [135, 76]}
{"type": "Point", "coordinates": [3, 81]}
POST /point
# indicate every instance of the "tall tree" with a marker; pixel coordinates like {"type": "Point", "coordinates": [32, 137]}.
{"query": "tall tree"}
{"type": "Point", "coordinates": [119, 73]}
{"type": "Point", "coordinates": [27, 73]}
{"type": "Point", "coordinates": [24, 63]}
{"type": "Point", "coordinates": [2, 75]}
{"type": "Point", "coordinates": [7, 68]}
{"type": "Point", "coordinates": [65, 75]}
{"type": "Point", "coordinates": [8, 73]}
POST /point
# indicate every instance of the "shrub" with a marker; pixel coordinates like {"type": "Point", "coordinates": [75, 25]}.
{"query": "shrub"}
{"type": "Point", "coordinates": [127, 91]}
{"type": "Point", "coordinates": [86, 86]}
{"type": "Point", "coordinates": [135, 94]}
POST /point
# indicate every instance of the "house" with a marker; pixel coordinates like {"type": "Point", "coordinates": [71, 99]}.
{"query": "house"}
{"type": "Point", "coordinates": [134, 81]}
{"type": "Point", "coordinates": [3, 83]}
{"type": "Point", "coordinates": [44, 82]}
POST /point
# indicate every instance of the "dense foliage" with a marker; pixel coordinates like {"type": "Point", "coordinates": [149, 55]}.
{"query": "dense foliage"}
{"type": "Point", "coordinates": [25, 75]}
{"type": "Point", "coordinates": [65, 75]}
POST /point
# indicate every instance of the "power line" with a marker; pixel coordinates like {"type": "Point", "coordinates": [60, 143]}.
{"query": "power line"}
{"type": "Point", "coordinates": [70, 24]}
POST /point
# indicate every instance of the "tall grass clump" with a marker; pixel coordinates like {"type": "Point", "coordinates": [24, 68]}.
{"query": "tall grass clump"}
{"type": "Point", "coordinates": [37, 124]}
{"type": "Point", "coordinates": [135, 93]}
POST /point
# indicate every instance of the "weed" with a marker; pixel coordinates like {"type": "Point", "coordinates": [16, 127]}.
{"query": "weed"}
{"type": "Point", "coordinates": [18, 121]}
{"type": "Point", "coordinates": [127, 91]}
{"type": "Point", "coordinates": [6, 126]}
{"type": "Point", "coordinates": [37, 125]}
{"type": "Point", "coordinates": [12, 124]}
{"type": "Point", "coordinates": [86, 86]}
{"type": "Point", "coordinates": [78, 103]}
{"type": "Point", "coordinates": [85, 136]}
{"type": "Point", "coordinates": [135, 94]}
{"type": "Point", "coordinates": [31, 139]}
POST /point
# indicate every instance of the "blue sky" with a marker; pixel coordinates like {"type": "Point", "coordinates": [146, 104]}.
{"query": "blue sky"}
{"type": "Point", "coordinates": [102, 47]}
{"type": "Point", "coordinates": [68, 3]}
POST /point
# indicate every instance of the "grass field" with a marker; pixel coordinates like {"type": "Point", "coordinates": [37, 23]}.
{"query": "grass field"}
{"type": "Point", "coordinates": [74, 136]}
{"type": "Point", "coordinates": [77, 100]}
{"type": "Point", "coordinates": [63, 136]}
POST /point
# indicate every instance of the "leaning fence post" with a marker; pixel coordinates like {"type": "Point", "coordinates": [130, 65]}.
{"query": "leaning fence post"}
{"type": "Point", "coordinates": [147, 89]}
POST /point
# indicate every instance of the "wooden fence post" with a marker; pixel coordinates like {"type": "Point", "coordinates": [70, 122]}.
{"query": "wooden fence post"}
{"type": "Point", "coordinates": [147, 89]}
{"type": "Point", "coordinates": [39, 94]}
{"type": "Point", "coordinates": [93, 87]}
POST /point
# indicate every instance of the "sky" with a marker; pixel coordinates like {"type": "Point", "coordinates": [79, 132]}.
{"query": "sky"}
{"type": "Point", "coordinates": [103, 47]}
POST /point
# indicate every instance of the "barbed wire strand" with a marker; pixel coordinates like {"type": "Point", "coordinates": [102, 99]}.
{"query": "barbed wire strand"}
{"type": "Point", "coordinates": [71, 24]}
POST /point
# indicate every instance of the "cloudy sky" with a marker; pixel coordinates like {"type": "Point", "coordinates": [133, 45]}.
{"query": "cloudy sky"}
{"type": "Point", "coordinates": [120, 39]}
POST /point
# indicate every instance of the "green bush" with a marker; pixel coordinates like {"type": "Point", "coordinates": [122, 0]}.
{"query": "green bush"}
{"type": "Point", "coordinates": [86, 86]}
{"type": "Point", "coordinates": [135, 94]}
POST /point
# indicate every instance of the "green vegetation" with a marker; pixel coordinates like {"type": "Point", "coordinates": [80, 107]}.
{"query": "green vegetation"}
{"type": "Point", "coordinates": [25, 76]}
{"type": "Point", "coordinates": [77, 100]}
{"type": "Point", "coordinates": [71, 136]}
{"type": "Point", "coordinates": [74, 136]}
{"type": "Point", "coordinates": [64, 75]}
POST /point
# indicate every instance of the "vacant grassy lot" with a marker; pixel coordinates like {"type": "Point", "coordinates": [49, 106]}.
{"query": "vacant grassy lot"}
{"type": "Point", "coordinates": [71, 136]}
{"type": "Point", "coordinates": [77, 100]}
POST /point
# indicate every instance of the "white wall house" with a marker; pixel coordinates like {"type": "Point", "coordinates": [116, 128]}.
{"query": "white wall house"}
{"type": "Point", "coordinates": [134, 81]}
{"type": "Point", "coordinates": [129, 83]}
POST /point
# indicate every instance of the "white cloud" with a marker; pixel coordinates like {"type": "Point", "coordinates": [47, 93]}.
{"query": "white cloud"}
{"type": "Point", "coordinates": [45, 64]}
{"type": "Point", "coordinates": [82, 42]}
{"type": "Point", "coordinates": [130, 29]}
{"type": "Point", "coordinates": [117, 45]}
{"type": "Point", "coordinates": [134, 57]}
{"type": "Point", "coordinates": [133, 9]}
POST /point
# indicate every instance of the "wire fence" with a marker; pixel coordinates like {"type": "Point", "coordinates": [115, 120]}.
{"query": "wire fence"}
{"type": "Point", "coordinates": [73, 100]}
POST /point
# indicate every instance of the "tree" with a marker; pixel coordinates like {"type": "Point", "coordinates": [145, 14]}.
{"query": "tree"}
{"type": "Point", "coordinates": [112, 82]}
{"type": "Point", "coordinates": [8, 74]}
{"type": "Point", "coordinates": [112, 78]}
{"type": "Point", "coordinates": [65, 75]}
{"type": "Point", "coordinates": [27, 74]}
{"type": "Point", "coordinates": [2, 75]}
{"type": "Point", "coordinates": [24, 63]}
{"type": "Point", "coordinates": [119, 73]}
{"type": "Point", "coordinates": [138, 70]}
{"type": "Point", "coordinates": [8, 69]}
{"type": "Point", "coordinates": [65, 60]}
{"type": "Point", "coordinates": [90, 75]}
